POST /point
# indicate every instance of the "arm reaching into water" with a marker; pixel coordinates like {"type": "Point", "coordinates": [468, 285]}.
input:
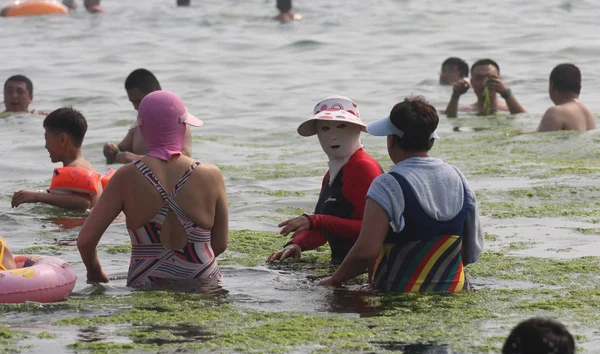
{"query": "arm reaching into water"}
{"type": "Point", "coordinates": [374, 230]}
{"type": "Point", "coordinates": [67, 201]}
{"type": "Point", "coordinates": [109, 206]}
{"type": "Point", "coordinates": [220, 230]}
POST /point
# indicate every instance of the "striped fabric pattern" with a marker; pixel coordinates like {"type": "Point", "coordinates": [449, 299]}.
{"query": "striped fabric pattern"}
{"type": "Point", "coordinates": [433, 265]}
{"type": "Point", "coordinates": [151, 262]}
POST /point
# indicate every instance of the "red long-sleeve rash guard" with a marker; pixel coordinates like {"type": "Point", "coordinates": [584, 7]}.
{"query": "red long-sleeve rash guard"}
{"type": "Point", "coordinates": [357, 175]}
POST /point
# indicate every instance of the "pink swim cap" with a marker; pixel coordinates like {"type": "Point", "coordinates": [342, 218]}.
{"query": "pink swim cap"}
{"type": "Point", "coordinates": [162, 118]}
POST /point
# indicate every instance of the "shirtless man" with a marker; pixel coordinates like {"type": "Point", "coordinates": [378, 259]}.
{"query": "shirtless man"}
{"type": "Point", "coordinates": [569, 113]}
{"type": "Point", "coordinates": [133, 146]}
{"type": "Point", "coordinates": [484, 73]}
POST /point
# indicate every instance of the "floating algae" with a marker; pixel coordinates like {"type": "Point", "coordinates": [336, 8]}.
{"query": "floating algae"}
{"type": "Point", "coordinates": [487, 107]}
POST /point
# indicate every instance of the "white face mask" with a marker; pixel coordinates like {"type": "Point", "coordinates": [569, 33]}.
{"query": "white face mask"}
{"type": "Point", "coordinates": [339, 140]}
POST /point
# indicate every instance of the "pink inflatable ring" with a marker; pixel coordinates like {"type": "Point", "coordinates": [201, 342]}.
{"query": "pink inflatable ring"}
{"type": "Point", "coordinates": [36, 278]}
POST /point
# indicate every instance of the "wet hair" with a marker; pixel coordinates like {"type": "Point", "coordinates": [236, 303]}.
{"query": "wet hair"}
{"type": "Point", "coordinates": [461, 65]}
{"type": "Point", "coordinates": [21, 78]}
{"type": "Point", "coordinates": [183, 2]}
{"type": "Point", "coordinates": [142, 80]}
{"type": "Point", "coordinates": [485, 62]}
{"type": "Point", "coordinates": [539, 335]}
{"type": "Point", "coordinates": [417, 119]}
{"type": "Point", "coordinates": [566, 78]}
{"type": "Point", "coordinates": [67, 120]}
{"type": "Point", "coordinates": [284, 5]}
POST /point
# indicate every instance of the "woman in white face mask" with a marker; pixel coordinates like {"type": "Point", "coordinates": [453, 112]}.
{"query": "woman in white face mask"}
{"type": "Point", "coordinates": [339, 211]}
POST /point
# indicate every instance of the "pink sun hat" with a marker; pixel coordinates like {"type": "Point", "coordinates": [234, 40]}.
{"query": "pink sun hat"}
{"type": "Point", "coordinates": [333, 108]}
{"type": "Point", "coordinates": [162, 118]}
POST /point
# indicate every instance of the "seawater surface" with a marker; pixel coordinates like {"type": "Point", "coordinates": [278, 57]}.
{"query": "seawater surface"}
{"type": "Point", "coordinates": [253, 80]}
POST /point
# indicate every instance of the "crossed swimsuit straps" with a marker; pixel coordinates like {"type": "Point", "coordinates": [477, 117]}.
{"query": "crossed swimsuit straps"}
{"type": "Point", "coordinates": [151, 262]}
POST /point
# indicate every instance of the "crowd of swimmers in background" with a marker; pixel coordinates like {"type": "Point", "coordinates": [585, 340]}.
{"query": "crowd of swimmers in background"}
{"type": "Point", "coordinates": [568, 112]}
{"type": "Point", "coordinates": [93, 6]}
{"type": "Point", "coordinates": [564, 87]}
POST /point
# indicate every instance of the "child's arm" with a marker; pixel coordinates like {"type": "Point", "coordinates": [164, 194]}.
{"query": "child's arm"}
{"type": "Point", "coordinates": [67, 201]}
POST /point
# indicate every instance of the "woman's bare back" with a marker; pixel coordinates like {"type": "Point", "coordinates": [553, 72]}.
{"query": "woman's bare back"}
{"type": "Point", "coordinates": [198, 197]}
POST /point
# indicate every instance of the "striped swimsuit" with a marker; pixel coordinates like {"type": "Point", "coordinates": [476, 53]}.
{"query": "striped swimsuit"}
{"type": "Point", "coordinates": [426, 255]}
{"type": "Point", "coordinates": [151, 262]}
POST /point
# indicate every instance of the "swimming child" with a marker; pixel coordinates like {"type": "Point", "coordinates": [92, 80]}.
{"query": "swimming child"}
{"type": "Point", "coordinates": [339, 212]}
{"type": "Point", "coordinates": [539, 335]}
{"type": "Point", "coordinates": [77, 185]}
{"type": "Point", "coordinates": [138, 84]}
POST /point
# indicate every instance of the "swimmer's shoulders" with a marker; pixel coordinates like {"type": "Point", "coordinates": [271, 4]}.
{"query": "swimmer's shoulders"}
{"type": "Point", "coordinates": [555, 112]}
{"type": "Point", "coordinates": [206, 171]}
{"type": "Point", "coordinates": [584, 108]}
{"type": "Point", "coordinates": [568, 111]}
{"type": "Point", "coordinates": [126, 173]}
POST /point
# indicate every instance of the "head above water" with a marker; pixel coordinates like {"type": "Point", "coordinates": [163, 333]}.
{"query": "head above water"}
{"type": "Point", "coordinates": [453, 69]}
{"type": "Point", "coordinates": [539, 335]}
{"type": "Point", "coordinates": [18, 93]}
{"type": "Point", "coordinates": [140, 83]}
{"type": "Point", "coordinates": [183, 2]}
{"type": "Point", "coordinates": [162, 118]}
{"type": "Point", "coordinates": [65, 130]}
{"type": "Point", "coordinates": [480, 71]}
{"type": "Point", "coordinates": [410, 126]}
{"type": "Point", "coordinates": [566, 79]}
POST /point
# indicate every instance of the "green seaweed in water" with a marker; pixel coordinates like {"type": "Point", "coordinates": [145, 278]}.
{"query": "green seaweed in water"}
{"type": "Point", "coordinates": [487, 107]}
